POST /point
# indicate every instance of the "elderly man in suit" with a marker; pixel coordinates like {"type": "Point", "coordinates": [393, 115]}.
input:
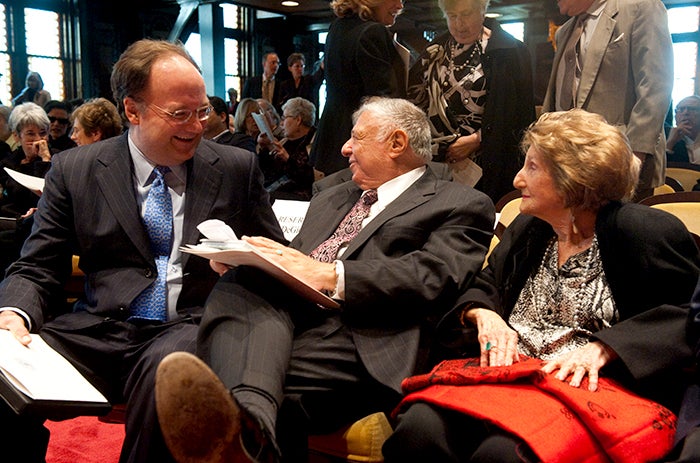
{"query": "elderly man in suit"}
{"type": "Point", "coordinates": [124, 206]}
{"type": "Point", "coordinates": [615, 58]}
{"type": "Point", "coordinates": [420, 241]}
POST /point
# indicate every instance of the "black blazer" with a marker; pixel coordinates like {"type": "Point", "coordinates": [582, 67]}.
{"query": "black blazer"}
{"type": "Point", "coordinates": [405, 268]}
{"type": "Point", "coordinates": [360, 61]}
{"type": "Point", "coordinates": [253, 89]}
{"type": "Point", "coordinates": [89, 209]}
{"type": "Point", "coordinates": [652, 265]}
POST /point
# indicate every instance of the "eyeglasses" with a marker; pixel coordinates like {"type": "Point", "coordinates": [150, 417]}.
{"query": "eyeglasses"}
{"type": "Point", "coordinates": [183, 116]}
{"type": "Point", "coordinates": [285, 116]}
{"type": "Point", "coordinates": [60, 120]}
{"type": "Point", "coordinates": [690, 109]}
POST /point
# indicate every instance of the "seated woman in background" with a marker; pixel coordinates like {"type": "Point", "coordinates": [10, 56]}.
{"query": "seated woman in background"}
{"type": "Point", "coordinates": [30, 125]}
{"type": "Point", "coordinates": [285, 163]}
{"type": "Point", "coordinates": [95, 120]}
{"type": "Point", "coordinates": [245, 130]}
{"type": "Point", "coordinates": [33, 92]}
{"type": "Point", "coordinates": [578, 284]}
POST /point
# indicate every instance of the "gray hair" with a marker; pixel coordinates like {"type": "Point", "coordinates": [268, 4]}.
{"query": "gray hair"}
{"type": "Point", "coordinates": [5, 112]}
{"type": "Point", "coordinates": [476, 5]}
{"type": "Point", "coordinates": [301, 107]}
{"type": "Point", "coordinates": [390, 114]}
{"type": "Point", "coordinates": [28, 114]}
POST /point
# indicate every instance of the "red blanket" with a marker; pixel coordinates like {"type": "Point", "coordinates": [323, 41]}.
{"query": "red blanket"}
{"type": "Point", "coordinates": [558, 422]}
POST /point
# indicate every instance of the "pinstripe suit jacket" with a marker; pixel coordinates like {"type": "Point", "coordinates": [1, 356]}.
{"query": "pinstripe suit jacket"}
{"type": "Point", "coordinates": [405, 268]}
{"type": "Point", "coordinates": [89, 208]}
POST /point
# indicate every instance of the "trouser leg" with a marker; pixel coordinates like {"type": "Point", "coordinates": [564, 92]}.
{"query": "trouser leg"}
{"type": "Point", "coordinates": [22, 439]}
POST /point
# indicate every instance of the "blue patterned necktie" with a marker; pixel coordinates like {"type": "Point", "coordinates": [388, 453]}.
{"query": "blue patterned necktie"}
{"type": "Point", "coordinates": [151, 304]}
{"type": "Point", "coordinates": [347, 230]}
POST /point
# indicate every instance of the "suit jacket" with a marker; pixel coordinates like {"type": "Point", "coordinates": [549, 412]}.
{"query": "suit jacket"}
{"type": "Point", "coordinates": [360, 61]}
{"type": "Point", "coordinates": [627, 74]}
{"type": "Point", "coordinates": [649, 260]}
{"type": "Point", "coordinates": [253, 89]}
{"type": "Point", "coordinates": [404, 268]}
{"type": "Point", "coordinates": [238, 139]}
{"type": "Point", "coordinates": [89, 208]}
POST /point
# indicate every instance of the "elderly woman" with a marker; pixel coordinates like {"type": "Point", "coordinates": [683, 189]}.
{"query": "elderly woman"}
{"type": "Point", "coordinates": [579, 282]}
{"type": "Point", "coordinates": [285, 163]}
{"type": "Point", "coordinates": [33, 92]}
{"type": "Point", "coordinates": [475, 84]}
{"type": "Point", "coordinates": [245, 130]}
{"type": "Point", "coordinates": [360, 60]}
{"type": "Point", "coordinates": [30, 125]}
{"type": "Point", "coordinates": [95, 120]}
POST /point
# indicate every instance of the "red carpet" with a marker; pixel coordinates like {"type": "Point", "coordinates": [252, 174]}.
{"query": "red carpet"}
{"type": "Point", "coordinates": [84, 440]}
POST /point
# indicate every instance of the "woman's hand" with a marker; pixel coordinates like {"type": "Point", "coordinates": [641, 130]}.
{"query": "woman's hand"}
{"type": "Point", "coordinates": [279, 152]}
{"type": "Point", "coordinates": [498, 341]}
{"type": "Point", "coordinates": [463, 147]}
{"type": "Point", "coordinates": [586, 360]}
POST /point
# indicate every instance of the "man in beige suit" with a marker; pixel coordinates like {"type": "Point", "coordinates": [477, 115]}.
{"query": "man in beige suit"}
{"type": "Point", "coordinates": [623, 70]}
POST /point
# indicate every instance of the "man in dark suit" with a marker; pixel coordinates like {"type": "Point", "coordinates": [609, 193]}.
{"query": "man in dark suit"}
{"type": "Point", "coordinates": [621, 63]}
{"type": "Point", "coordinates": [683, 144]}
{"type": "Point", "coordinates": [265, 86]}
{"type": "Point", "coordinates": [97, 204]}
{"type": "Point", "coordinates": [217, 129]}
{"type": "Point", "coordinates": [421, 244]}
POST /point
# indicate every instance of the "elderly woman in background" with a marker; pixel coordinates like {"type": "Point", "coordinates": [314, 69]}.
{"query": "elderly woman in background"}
{"type": "Point", "coordinates": [360, 60]}
{"type": "Point", "coordinates": [285, 163]}
{"type": "Point", "coordinates": [33, 92]}
{"type": "Point", "coordinates": [245, 130]}
{"type": "Point", "coordinates": [475, 84]}
{"type": "Point", "coordinates": [30, 125]}
{"type": "Point", "coordinates": [95, 120]}
{"type": "Point", "coordinates": [579, 281]}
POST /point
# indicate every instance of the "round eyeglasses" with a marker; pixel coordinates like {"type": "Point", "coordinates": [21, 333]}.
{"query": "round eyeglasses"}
{"type": "Point", "coordinates": [183, 116]}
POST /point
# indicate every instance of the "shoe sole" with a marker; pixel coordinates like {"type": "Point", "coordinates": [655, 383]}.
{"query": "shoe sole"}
{"type": "Point", "coordinates": [199, 420]}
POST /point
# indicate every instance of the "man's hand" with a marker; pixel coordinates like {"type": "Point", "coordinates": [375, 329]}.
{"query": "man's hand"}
{"type": "Point", "coordinates": [498, 341]}
{"type": "Point", "coordinates": [586, 360]}
{"type": "Point", "coordinates": [319, 275]}
{"type": "Point", "coordinates": [14, 323]}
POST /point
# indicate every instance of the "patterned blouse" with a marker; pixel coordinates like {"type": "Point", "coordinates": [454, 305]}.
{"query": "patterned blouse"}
{"type": "Point", "coordinates": [560, 308]}
{"type": "Point", "coordinates": [448, 82]}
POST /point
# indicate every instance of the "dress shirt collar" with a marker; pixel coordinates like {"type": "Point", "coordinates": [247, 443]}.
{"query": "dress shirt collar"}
{"type": "Point", "coordinates": [596, 8]}
{"type": "Point", "coordinates": [216, 137]}
{"type": "Point", "coordinates": [143, 170]}
{"type": "Point", "coordinates": [389, 191]}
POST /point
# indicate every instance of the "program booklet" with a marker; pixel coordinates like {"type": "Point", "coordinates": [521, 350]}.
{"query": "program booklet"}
{"type": "Point", "coordinates": [38, 380]}
{"type": "Point", "coordinates": [222, 245]}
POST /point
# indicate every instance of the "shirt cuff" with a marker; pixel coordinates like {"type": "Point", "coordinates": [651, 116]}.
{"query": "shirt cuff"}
{"type": "Point", "coordinates": [21, 313]}
{"type": "Point", "coordinates": [339, 291]}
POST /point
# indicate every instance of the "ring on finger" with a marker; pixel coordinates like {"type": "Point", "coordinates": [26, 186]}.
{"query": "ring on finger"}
{"type": "Point", "coordinates": [489, 346]}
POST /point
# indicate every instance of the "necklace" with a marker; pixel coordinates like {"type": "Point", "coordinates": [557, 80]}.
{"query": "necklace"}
{"type": "Point", "coordinates": [453, 68]}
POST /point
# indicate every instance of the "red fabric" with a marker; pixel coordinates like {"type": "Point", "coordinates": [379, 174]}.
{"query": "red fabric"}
{"type": "Point", "coordinates": [84, 440]}
{"type": "Point", "coordinates": [559, 422]}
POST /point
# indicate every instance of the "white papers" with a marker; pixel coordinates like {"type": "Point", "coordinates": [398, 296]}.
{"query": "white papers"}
{"type": "Point", "coordinates": [35, 184]}
{"type": "Point", "coordinates": [42, 373]}
{"type": "Point", "coordinates": [237, 252]}
{"type": "Point", "coordinates": [465, 171]}
{"type": "Point", "coordinates": [290, 215]}
{"type": "Point", "coordinates": [261, 121]}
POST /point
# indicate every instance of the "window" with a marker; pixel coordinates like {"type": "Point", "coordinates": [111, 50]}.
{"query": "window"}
{"type": "Point", "coordinates": [6, 77]}
{"type": "Point", "coordinates": [516, 29]}
{"type": "Point", "coordinates": [41, 32]}
{"type": "Point", "coordinates": [683, 24]}
{"type": "Point", "coordinates": [232, 52]}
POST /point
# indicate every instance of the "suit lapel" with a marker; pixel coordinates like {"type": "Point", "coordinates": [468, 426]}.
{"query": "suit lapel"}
{"type": "Point", "coordinates": [418, 193]}
{"type": "Point", "coordinates": [203, 186]}
{"type": "Point", "coordinates": [113, 167]}
{"type": "Point", "coordinates": [595, 52]}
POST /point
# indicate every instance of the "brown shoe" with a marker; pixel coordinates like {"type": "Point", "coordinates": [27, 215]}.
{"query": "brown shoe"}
{"type": "Point", "coordinates": [199, 419]}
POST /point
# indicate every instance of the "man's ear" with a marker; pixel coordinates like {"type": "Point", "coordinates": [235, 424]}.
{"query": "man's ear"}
{"type": "Point", "coordinates": [132, 111]}
{"type": "Point", "coordinates": [398, 142]}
